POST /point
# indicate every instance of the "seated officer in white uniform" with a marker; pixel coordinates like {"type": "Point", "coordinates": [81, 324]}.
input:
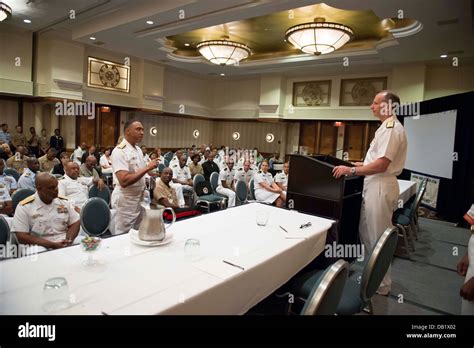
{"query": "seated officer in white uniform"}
{"type": "Point", "coordinates": [7, 181]}
{"type": "Point", "coordinates": [45, 219]}
{"type": "Point", "coordinates": [75, 187]}
{"type": "Point", "coordinates": [27, 179]}
{"type": "Point", "coordinates": [266, 190]}
{"type": "Point", "coordinates": [281, 178]}
{"type": "Point", "coordinates": [245, 173]}
{"type": "Point", "coordinates": [182, 176]}
{"type": "Point", "coordinates": [226, 178]}
{"type": "Point", "coordinates": [175, 159]}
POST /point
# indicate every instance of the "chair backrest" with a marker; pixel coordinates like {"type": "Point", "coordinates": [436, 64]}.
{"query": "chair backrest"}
{"type": "Point", "coordinates": [12, 172]}
{"type": "Point", "coordinates": [378, 263]}
{"type": "Point", "coordinates": [214, 179]}
{"type": "Point", "coordinates": [419, 195]}
{"type": "Point", "coordinates": [4, 231]}
{"type": "Point", "coordinates": [104, 193]}
{"type": "Point", "coordinates": [252, 189]}
{"type": "Point", "coordinates": [20, 195]}
{"type": "Point", "coordinates": [326, 293]}
{"type": "Point", "coordinates": [241, 191]}
{"type": "Point", "coordinates": [161, 167]}
{"type": "Point", "coordinates": [95, 216]}
{"type": "Point", "coordinates": [198, 178]}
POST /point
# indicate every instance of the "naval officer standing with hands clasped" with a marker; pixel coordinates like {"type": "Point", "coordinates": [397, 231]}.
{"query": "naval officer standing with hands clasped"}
{"type": "Point", "coordinates": [129, 167]}
{"type": "Point", "coordinates": [384, 160]}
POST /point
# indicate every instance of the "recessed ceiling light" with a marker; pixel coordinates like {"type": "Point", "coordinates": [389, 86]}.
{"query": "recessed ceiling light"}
{"type": "Point", "coordinates": [150, 22]}
{"type": "Point", "coordinates": [222, 74]}
{"type": "Point", "coordinates": [27, 21]}
{"type": "Point", "coordinates": [92, 38]}
{"type": "Point", "coordinates": [444, 56]}
{"type": "Point", "coordinates": [187, 45]}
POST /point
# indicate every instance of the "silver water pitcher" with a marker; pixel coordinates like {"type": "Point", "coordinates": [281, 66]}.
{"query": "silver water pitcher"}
{"type": "Point", "coordinates": [153, 228]}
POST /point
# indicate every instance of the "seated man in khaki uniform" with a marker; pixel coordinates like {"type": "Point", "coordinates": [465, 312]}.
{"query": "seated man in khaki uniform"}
{"type": "Point", "coordinates": [164, 194]}
{"type": "Point", "coordinates": [18, 160]}
{"type": "Point", "coordinates": [87, 168]}
{"type": "Point", "coordinates": [48, 161]}
{"type": "Point", "coordinates": [46, 219]}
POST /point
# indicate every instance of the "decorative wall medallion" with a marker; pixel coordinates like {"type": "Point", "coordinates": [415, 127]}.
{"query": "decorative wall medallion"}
{"type": "Point", "coordinates": [361, 92]}
{"type": "Point", "coordinates": [312, 93]}
{"type": "Point", "coordinates": [108, 75]}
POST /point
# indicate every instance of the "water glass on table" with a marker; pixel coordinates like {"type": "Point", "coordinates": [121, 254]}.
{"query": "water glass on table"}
{"type": "Point", "coordinates": [262, 217]}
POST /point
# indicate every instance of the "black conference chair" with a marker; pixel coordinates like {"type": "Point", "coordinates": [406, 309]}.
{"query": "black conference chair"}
{"type": "Point", "coordinates": [241, 192]}
{"type": "Point", "coordinates": [12, 172]}
{"type": "Point", "coordinates": [357, 294]}
{"type": "Point", "coordinates": [95, 216]}
{"type": "Point", "coordinates": [20, 195]}
{"type": "Point", "coordinates": [104, 193]}
{"type": "Point", "coordinates": [327, 291]}
{"type": "Point", "coordinates": [4, 231]}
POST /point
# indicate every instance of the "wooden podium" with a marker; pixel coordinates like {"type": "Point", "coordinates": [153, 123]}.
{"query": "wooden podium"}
{"type": "Point", "coordinates": [313, 189]}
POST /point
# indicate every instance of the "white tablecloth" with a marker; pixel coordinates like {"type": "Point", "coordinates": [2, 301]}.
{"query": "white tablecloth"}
{"type": "Point", "coordinates": [407, 190]}
{"type": "Point", "coordinates": [133, 279]}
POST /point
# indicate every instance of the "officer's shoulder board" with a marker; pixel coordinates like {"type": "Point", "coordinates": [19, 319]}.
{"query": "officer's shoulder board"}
{"type": "Point", "coordinates": [259, 172]}
{"type": "Point", "coordinates": [28, 200]}
{"type": "Point", "coordinates": [241, 168]}
{"type": "Point", "coordinates": [121, 145]}
{"type": "Point", "coordinates": [27, 174]}
{"type": "Point", "coordinates": [62, 197]}
{"type": "Point", "coordinates": [390, 124]}
{"type": "Point", "coordinates": [225, 169]}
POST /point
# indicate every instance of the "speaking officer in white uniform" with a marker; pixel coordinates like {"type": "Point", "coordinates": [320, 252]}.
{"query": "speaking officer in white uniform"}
{"type": "Point", "coordinates": [384, 160]}
{"type": "Point", "coordinates": [129, 169]}
{"type": "Point", "coordinates": [226, 178]}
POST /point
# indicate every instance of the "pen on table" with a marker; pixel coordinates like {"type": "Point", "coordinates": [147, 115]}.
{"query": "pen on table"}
{"type": "Point", "coordinates": [283, 229]}
{"type": "Point", "coordinates": [229, 263]}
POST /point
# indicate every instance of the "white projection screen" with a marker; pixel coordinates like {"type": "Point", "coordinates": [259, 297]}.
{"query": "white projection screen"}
{"type": "Point", "coordinates": [431, 143]}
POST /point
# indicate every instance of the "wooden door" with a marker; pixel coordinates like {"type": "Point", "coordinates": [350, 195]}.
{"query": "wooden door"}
{"type": "Point", "coordinates": [109, 128]}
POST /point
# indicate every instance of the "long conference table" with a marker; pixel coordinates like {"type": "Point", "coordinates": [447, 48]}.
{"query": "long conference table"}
{"type": "Point", "coordinates": [135, 279]}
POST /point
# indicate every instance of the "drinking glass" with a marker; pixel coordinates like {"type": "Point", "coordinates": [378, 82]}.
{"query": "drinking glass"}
{"type": "Point", "coordinates": [55, 295]}
{"type": "Point", "coordinates": [262, 217]}
{"type": "Point", "coordinates": [192, 249]}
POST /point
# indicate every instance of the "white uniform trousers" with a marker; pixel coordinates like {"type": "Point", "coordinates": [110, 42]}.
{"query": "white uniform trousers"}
{"type": "Point", "coordinates": [467, 307]}
{"type": "Point", "coordinates": [128, 204]}
{"type": "Point", "coordinates": [228, 193]}
{"type": "Point", "coordinates": [380, 197]}
{"type": "Point", "coordinates": [179, 193]}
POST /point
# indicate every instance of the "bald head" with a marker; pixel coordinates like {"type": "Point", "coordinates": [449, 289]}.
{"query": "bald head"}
{"type": "Point", "coordinates": [72, 170]}
{"type": "Point", "coordinates": [47, 187]}
{"type": "Point", "coordinates": [91, 162]}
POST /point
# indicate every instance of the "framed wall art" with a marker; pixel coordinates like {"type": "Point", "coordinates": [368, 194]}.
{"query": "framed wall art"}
{"type": "Point", "coordinates": [361, 92]}
{"type": "Point", "coordinates": [312, 93]}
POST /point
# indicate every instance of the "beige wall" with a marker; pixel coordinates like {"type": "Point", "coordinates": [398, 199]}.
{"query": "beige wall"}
{"type": "Point", "coordinates": [15, 47]}
{"type": "Point", "coordinates": [443, 81]}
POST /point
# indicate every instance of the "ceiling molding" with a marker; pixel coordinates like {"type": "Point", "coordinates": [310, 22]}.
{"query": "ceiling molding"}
{"type": "Point", "coordinates": [69, 85]}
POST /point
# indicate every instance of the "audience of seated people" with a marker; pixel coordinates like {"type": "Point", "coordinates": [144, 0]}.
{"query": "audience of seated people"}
{"type": "Point", "coordinates": [35, 220]}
